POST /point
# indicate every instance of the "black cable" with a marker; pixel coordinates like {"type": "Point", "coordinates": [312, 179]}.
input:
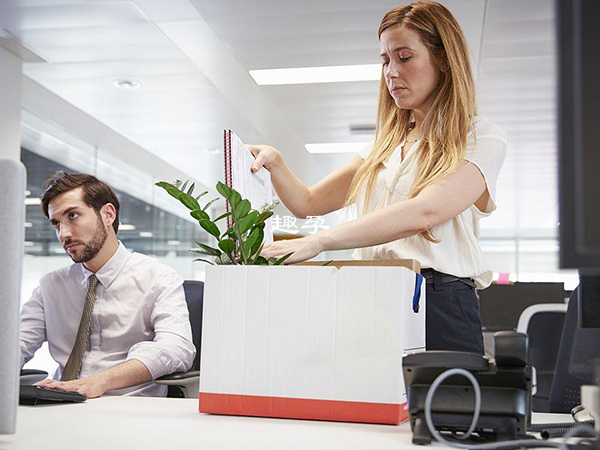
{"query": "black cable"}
{"type": "Point", "coordinates": [560, 432]}
{"type": "Point", "coordinates": [539, 427]}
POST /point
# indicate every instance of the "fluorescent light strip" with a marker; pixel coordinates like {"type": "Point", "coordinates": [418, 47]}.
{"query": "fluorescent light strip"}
{"type": "Point", "coordinates": [305, 75]}
{"type": "Point", "coordinates": [337, 147]}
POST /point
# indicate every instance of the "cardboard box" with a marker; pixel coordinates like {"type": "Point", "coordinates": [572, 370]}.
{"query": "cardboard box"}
{"type": "Point", "coordinates": [310, 342]}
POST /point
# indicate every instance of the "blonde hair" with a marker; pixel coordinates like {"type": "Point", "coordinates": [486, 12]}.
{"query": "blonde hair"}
{"type": "Point", "coordinates": [444, 129]}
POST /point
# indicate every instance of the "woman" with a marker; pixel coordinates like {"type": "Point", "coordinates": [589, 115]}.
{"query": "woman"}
{"type": "Point", "coordinates": [423, 184]}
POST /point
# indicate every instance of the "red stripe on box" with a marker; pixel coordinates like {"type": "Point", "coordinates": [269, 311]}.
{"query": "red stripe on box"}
{"type": "Point", "coordinates": [302, 408]}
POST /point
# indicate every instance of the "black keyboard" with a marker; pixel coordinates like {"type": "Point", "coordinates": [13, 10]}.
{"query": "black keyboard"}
{"type": "Point", "coordinates": [36, 395]}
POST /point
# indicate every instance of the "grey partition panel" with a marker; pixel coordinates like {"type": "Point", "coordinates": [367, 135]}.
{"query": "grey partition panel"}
{"type": "Point", "coordinates": [12, 235]}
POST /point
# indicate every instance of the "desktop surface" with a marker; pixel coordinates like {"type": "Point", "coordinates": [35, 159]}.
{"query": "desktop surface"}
{"type": "Point", "coordinates": [160, 423]}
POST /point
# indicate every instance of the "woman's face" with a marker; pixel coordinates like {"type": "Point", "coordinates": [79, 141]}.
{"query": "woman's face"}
{"type": "Point", "coordinates": [410, 73]}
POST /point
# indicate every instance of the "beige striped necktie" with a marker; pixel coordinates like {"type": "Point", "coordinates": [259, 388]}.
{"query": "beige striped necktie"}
{"type": "Point", "coordinates": [73, 365]}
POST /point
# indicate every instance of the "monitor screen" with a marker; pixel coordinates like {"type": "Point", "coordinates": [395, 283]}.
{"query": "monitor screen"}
{"type": "Point", "coordinates": [502, 305]}
{"type": "Point", "coordinates": [578, 35]}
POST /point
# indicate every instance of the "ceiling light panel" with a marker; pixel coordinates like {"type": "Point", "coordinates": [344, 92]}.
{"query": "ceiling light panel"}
{"type": "Point", "coordinates": [327, 74]}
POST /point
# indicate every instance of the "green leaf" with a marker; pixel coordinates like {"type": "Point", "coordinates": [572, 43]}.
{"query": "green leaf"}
{"type": "Point", "coordinates": [261, 261]}
{"type": "Point", "coordinates": [230, 232]}
{"type": "Point", "coordinates": [225, 260]}
{"type": "Point", "coordinates": [282, 259]}
{"type": "Point", "coordinates": [224, 190]}
{"type": "Point", "coordinates": [198, 214]}
{"type": "Point", "coordinates": [272, 260]}
{"type": "Point", "coordinates": [258, 245]}
{"type": "Point", "coordinates": [251, 240]}
{"type": "Point", "coordinates": [209, 203]}
{"type": "Point", "coordinates": [222, 216]}
{"type": "Point", "coordinates": [189, 201]}
{"type": "Point", "coordinates": [202, 252]}
{"type": "Point", "coordinates": [198, 196]}
{"type": "Point", "coordinates": [246, 223]}
{"type": "Point", "coordinates": [328, 262]}
{"type": "Point", "coordinates": [182, 188]}
{"type": "Point", "coordinates": [205, 260]}
{"type": "Point", "coordinates": [234, 199]}
{"type": "Point", "coordinates": [267, 208]}
{"type": "Point", "coordinates": [178, 183]}
{"type": "Point", "coordinates": [191, 189]}
{"type": "Point", "coordinates": [227, 245]}
{"type": "Point", "coordinates": [208, 248]}
{"type": "Point", "coordinates": [210, 227]}
{"type": "Point", "coordinates": [170, 188]}
{"type": "Point", "coordinates": [241, 210]}
{"type": "Point", "coordinates": [263, 216]}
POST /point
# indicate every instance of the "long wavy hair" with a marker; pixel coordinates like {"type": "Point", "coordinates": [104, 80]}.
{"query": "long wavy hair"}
{"type": "Point", "coordinates": [445, 127]}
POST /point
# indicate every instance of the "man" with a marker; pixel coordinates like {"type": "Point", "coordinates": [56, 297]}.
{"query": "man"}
{"type": "Point", "coordinates": [114, 320]}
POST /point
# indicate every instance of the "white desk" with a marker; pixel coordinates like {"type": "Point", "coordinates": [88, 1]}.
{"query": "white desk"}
{"type": "Point", "coordinates": [113, 423]}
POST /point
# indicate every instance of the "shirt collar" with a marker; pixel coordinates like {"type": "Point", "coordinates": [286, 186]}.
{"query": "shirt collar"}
{"type": "Point", "coordinates": [109, 271]}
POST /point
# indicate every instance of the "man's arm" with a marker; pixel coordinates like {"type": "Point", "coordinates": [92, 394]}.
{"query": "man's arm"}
{"type": "Point", "coordinates": [33, 326]}
{"type": "Point", "coordinates": [130, 373]}
{"type": "Point", "coordinates": [172, 349]}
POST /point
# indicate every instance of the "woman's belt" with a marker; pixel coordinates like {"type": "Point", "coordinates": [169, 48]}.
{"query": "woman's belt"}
{"type": "Point", "coordinates": [438, 279]}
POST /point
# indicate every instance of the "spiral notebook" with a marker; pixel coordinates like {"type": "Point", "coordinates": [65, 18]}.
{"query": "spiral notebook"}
{"type": "Point", "coordinates": [255, 186]}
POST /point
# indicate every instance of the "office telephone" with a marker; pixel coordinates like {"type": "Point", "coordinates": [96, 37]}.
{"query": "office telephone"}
{"type": "Point", "coordinates": [505, 389]}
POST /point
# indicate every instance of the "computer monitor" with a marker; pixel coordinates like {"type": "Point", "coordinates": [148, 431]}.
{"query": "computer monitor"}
{"type": "Point", "coordinates": [12, 224]}
{"type": "Point", "coordinates": [578, 35]}
{"type": "Point", "coordinates": [502, 305]}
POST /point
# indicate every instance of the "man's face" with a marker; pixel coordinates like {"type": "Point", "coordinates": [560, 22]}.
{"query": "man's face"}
{"type": "Point", "coordinates": [79, 229]}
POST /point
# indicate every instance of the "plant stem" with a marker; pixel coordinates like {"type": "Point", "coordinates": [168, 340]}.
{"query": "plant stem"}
{"type": "Point", "coordinates": [236, 227]}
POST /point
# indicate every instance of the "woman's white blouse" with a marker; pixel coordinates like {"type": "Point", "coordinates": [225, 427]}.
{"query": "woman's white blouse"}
{"type": "Point", "coordinates": [458, 252]}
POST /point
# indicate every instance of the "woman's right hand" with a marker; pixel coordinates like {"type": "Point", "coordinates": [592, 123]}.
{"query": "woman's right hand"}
{"type": "Point", "coordinates": [264, 156]}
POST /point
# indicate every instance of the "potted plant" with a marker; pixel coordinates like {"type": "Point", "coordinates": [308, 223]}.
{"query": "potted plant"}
{"type": "Point", "coordinates": [243, 241]}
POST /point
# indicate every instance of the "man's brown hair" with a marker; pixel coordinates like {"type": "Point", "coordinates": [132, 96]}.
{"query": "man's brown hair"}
{"type": "Point", "coordinates": [96, 193]}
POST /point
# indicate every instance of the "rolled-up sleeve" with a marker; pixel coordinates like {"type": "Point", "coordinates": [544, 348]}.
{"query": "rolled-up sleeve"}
{"type": "Point", "coordinates": [33, 326]}
{"type": "Point", "coordinates": [172, 349]}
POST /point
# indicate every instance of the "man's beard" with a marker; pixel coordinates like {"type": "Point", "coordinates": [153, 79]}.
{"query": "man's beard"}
{"type": "Point", "coordinates": [90, 249]}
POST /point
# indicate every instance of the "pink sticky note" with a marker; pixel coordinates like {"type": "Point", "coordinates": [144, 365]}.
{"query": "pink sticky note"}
{"type": "Point", "coordinates": [503, 278]}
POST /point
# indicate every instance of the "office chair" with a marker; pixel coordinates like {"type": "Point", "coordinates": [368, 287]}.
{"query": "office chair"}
{"type": "Point", "coordinates": [578, 361]}
{"type": "Point", "coordinates": [187, 384]}
{"type": "Point", "coordinates": [543, 323]}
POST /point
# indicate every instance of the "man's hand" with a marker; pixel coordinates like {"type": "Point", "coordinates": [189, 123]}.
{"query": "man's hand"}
{"type": "Point", "coordinates": [91, 387]}
{"type": "Point", "coordinates": [130, 373]}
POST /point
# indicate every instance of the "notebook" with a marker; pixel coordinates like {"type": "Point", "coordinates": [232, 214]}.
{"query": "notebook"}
{"type": "Point", "coordinates": [254, 186]}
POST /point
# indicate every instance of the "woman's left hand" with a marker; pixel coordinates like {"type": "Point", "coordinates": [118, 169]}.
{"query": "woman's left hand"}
{"type": "Point", "coordinates": [303, 249]}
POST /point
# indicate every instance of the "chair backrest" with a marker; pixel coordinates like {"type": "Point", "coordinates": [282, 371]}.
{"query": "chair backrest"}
{"type": "Point", "coordinates": [543, 323]}
{"type": "Point", "coordinates": [578, 359]}
{"type": "Point", "coordinates": [194, 297]}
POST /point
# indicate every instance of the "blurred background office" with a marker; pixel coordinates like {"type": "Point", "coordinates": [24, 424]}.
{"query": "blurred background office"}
{"type": "Point", "coordinates": [137, 91]}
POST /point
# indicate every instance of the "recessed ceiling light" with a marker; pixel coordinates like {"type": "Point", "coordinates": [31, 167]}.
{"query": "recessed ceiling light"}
{"type": "Point", "coordinates": [128, 85]}
{"type": "Point", "coordinates": [126, 227]}
{"type": "Point", "coordinates": [175, 243]}
{"type": "Point", "coordinates": [328, 74]}
{"type": "Point", "coordinates": [28, 224]}
{"type": "Point", "coordinates": [146, 234]}
{"type": "Point", "coordinates": [337, 147]}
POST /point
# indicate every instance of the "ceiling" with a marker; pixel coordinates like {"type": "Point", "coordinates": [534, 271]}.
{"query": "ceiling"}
{"type": "Point", "coordinates": [192, 59]}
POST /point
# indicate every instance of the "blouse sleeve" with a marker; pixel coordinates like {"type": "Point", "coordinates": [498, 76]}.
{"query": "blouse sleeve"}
{"type": "Point", "coordinates": [487, 152]}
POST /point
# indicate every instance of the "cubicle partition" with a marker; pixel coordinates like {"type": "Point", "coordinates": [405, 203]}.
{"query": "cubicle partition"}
{"type": "Point", "coordinates": [12, 231]}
